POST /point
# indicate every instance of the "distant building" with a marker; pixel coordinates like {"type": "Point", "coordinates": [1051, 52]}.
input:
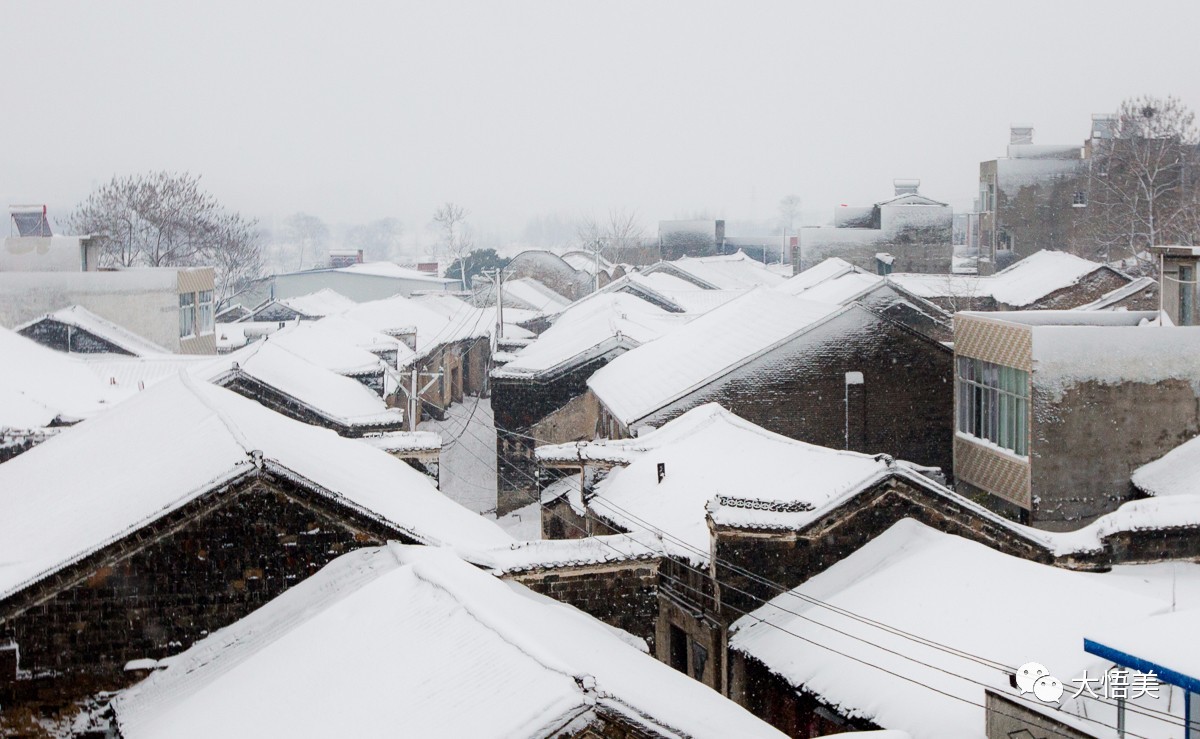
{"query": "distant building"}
{"type": "Point", "coordinates": [915, 230]}
{"type": "Point", "coordinates": [344, 257]}
{"type": "Point", "coordinates": [1055, 409]}
{"type": "Point", "coordinates": [360, 282]}
{"type": "Point", "coordinates": [40, 274]}
{"type": "Point", "coordinates": [1035, 197]}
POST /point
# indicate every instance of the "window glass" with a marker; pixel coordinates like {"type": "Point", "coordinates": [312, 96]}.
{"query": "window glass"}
{"type": "Point", "coordinates": [205, 315]}
{"type": "Point", "coordinates": [187, 314]}
{"type": "Point", "coordinates": [993, 403]}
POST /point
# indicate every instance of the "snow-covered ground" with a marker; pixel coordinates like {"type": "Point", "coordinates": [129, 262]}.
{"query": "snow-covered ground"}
{"type": "Point", "coordinates": [468, 467]}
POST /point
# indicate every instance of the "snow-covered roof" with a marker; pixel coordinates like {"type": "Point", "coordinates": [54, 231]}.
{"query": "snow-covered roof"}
{"type": "Point", "coordinates": [326, 347]}
{"type": "Point", "coordinates": [1175, 473]}
{"type": "Point", "coordinates": [339, 399]}
{"type": "Point", "coordinates": [398, 314]}
{"type": "Point", "coordinates": [1022, 284]}
{"type": "Point", "coordinates": [463, 313]}
{"type": "Point", "coordinates": [1108, 300]}
{"type": "Point", "coordinates": [1165, 643]}
{"type": "Point", "coordinates": [591, 328]}
{"type": "Point", "coordinates": [533, 295]}
{"type": "Point", "coordinates": [1179, 509]}
{"type": "Point", "coordinates": [81, 318]}
{"type": "Point", "coordinates": [415, 640]}
{"type": "Point", "coordinates": [400, 442]}
{"type": "Point", "coordinates": [384, 269]}
{"type": "Point", "coordinates": [551, 553]}
{"type": "Point", "coordinates": [709, 453]}
{"type": "Point", "coordinates": [587, 261]}
{"type": "Point", "coordinates": [687, 296]}
{"type": "Point", "coordinates": [40, 385]}
{"type": "Point", "coordinates": [843, 289]}
{"type": "Point", "coordinates": [323, 302]}
{"type": "Point", "coordinates": [641, 381]}
{"type": "Point", "coordinates": [931, 588]}
{"type": "Point", "coordinates": [116, 473]}
{"type": "Point", "coordinates": [362, 336]}
{"type": "Point", "coordinates": [829, 269]}
{"type": "Point", "coordinates": [725, 272]}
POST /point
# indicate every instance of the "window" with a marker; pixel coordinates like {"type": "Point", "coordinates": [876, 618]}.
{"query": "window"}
{"type": "Point", "coordinates": [206, 312]}
{"type": "Point", "coordinates": [993, 403]}
{"type": "Point", "coordinates": [187, 314]}
{"type": "Point", "coordinates": [1079, 200]}
{"type": "Point", "coordinates": [677, 648]}
{"type": "Point", "coordinates": [1187, 293]}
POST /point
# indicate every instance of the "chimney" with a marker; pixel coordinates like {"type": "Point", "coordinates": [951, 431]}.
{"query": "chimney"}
{"type": "Point", "coordinates": [906, 187]}
{"type": "Point", "coordinates": [1020, 134]}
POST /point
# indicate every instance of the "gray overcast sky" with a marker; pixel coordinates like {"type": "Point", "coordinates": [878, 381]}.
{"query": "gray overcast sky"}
{"type": "Point", "coordinates": [354, 111]}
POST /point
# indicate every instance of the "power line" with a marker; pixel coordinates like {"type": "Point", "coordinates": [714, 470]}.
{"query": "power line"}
{"type": "Point", "coordinates": [895, 631]}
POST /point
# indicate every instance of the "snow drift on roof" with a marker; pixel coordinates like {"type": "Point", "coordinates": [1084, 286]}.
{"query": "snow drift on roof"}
{"type": "Point", "coordinates": [696, 449]}
{"type": "Point", "coordinates": [842, 289]}
{"type": "Point", "coordinates": [957, 593]}
{"type": "Point", "coordinates": [332, 350]}
{"type": "Point", "coordinates": [389, 269]}
{"type": "Point", "coordinates": [1175, 473]}
{"type": "Point", "coordinates": [534, 294]}
{"type": "Point", "coordinates": [398, 314]}
{"type": "Point", "coordinates": [113, 474]}
{"type": "Point", "coordinates": [323, 302]}
{"type": "Point", "coordinates": [1064, 356]}
{"type": "Point", "coordinates": [34, 376]}
{"type": "Point", "coordinates": [590, 328]}
{"type": "Point", "coordinates": [335, 656]}
{"type": "Point", "coordinates": [816, 274]}
{"type": "Point", "coordinates": [82, 318]}
{"type": "Point", "coordinates": [726, 272]}
{"type": "Point", "coordinates": [643, 380]}
{"type": "Point", "coordinates": [1022, 284]}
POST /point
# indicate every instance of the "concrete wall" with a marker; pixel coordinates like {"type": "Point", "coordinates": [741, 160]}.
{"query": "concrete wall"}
{"type": "Point", "coordinates": [49, 254]}
{"type": "Point", "coordinates": [145, 301]}
{"type": "Point", "coordinates": [1087, 443]}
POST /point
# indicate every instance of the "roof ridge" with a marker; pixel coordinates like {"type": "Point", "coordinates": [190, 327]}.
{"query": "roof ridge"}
{"type": "Point", "coordinates": [230, 426]}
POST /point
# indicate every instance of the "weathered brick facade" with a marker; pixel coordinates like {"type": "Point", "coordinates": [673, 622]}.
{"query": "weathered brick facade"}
{"type": "Point", "coordinates": [621, 594]}
{"type": "Point", "coordinates": [165, 586]}
{"type": "Point", "coordinates": [66, 338]}
{"type": "Point", "coordinates": [904, 407]}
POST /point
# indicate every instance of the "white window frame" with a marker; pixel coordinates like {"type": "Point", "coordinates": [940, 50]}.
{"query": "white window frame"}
{"type": "Point", "coordinates": [204, 313]}
{"type": "Point", "coordinates": [993, 403]}
{"type": "Point", "coordinates": [187, 315]}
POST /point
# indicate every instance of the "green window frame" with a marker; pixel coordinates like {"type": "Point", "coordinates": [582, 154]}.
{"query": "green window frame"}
{"type": "Point", "coordinates": [993, 403]}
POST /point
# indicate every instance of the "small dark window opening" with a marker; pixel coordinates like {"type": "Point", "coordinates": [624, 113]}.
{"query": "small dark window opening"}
{"type": "Point", "coordinates": [1079, 200]}
{"type": "Point", "coordinates": [678, 649]}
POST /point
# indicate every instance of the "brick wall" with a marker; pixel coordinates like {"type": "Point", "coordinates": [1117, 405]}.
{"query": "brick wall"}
{"type": "Point", "coordinates": [158, 591]}
{"type": "Point", "coordinates": [904, 408]}
{"type": "Point", "coordinates": [623, 594]}
{"type": "Point", "coordinates": [64, 338]}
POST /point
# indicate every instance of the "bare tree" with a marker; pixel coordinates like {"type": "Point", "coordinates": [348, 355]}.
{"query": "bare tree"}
{"type": "Point", "coordinates": [618, 238]}
{"type": "Point", "coordinates": [451, 220]}
{"type": "Point", "coordinates": [165, 219]}
{"type": "Point", "coordinates": [380, 240]}
{"type": "Point", "coordinates": [309, 237]}
{"type": "Point", "coordinates": [1141, 184]}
